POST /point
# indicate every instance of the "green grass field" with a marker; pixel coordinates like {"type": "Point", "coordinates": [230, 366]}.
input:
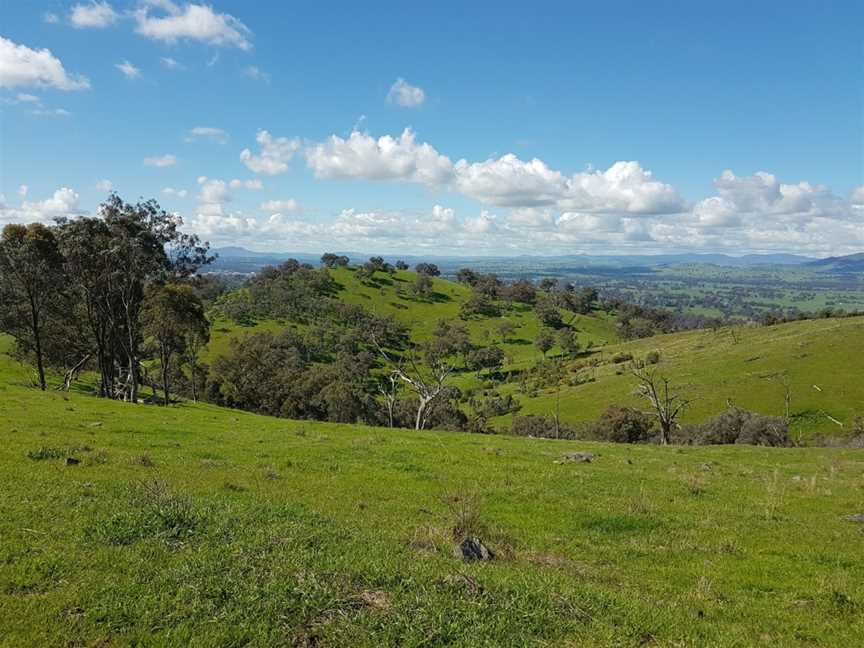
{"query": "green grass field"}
{"type": "Point", "coordinates": [198, 526]}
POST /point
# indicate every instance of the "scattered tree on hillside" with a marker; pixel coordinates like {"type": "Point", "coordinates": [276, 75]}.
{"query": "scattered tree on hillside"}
{"type": "Point", "coordinates": [451, 339]}
{"type": "Point", "coordinates": [490, 358]}
{"type": "Point", "coordinates": [31, 269]}
{"type": "Point", "coordinates": [544, 341]}
{"type": "Point", "coordinates": [521, 291]}
{"type": "Point", "coordinates": [466, 276]}
{"type": "Point", "coordinates": [505, 328]}
{"type": "Point", "coordinates": [478, 305]}
{"type": "Point", "coordinates": [401, 265]}
{"type": "Point", "coordinates": [429, 269]}
{"type": "Point", "coordinates": [548, 312]}
{"type": "Point", "coordinates": [173, 317]}
{"type": "Point", "coordinates": [330, 260]}
{"type": "Point", "coordinates": [422, 286]}
{"type": "Point", "coordinates": [666, 400]}
{"type": "Point", "coordinates": [569, 342]}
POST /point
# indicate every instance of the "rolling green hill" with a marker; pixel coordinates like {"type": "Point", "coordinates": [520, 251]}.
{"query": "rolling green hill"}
{"type": "Point", "coordinates": [421, 315]}
{"type": "Point", "coordinates": [193, 525]}
{"type": "Point", "coordinates": [821, 361]}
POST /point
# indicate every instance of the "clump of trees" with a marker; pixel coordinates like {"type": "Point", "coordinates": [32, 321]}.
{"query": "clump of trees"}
{"type": "Point", "coordinates": [31, 284]}
{"type": "Point", "coordinates": [330, 260]}
{"type": "Point", "coordinates": [74, 294]}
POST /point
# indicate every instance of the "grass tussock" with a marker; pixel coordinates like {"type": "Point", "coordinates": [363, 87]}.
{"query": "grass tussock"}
{"type": "Point", "coordinates": [153, 511]}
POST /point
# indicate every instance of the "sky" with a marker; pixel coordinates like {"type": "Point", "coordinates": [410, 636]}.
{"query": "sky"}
{"type": "Point", "coordinates": [447, 128]}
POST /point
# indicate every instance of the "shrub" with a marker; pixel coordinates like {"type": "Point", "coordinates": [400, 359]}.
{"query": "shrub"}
{"type": "Point", "coordinates": [652, 357]}
{"type": "Point", "coordinates": [765, 431]}
{"type": "Point", "coordinates": [621, 424]}
{"type": "Point", "coordinates": [465, 513]}
{"type": "Point", "coordinates": [618, 358]}
{"type": "Point", "coordinates": [724, 428]}
{"type": "Point", "coordinates": [737, 425]}
{"type": "Point", "coordinates": [495, 405]}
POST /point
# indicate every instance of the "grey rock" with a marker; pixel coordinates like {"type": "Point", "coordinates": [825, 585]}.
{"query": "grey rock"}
{"type": "Point", "coordinates": [858, 517]}
{"type": "Point", "coordinates": [579, 457]}
{"type": "Point", "coordinates": [473, 549]}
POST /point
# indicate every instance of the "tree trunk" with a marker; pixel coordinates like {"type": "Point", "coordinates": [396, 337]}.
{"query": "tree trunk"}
{"type": "Point", "coordinates": [163, 359]}
{"type": "Point", "coordinates": [37, 343]}
{"type": "Point", "coordinates": [664, 433]}
{"type": "Point", "coordinates": [194, 386]}
{"type": "Point", "coordinates": [420, 422]}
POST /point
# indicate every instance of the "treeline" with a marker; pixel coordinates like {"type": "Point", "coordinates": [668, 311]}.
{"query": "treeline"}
{"type": "Point", "coordinates": [110, 293]}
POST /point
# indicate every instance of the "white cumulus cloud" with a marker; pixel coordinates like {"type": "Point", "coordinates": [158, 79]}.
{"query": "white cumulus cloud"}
{"type": "Point", "coordinates": [275, 154]}
{"type": "Point", "coordinates": [406, 95]}
{"type": "Point", "coordinates": [104, 185]}
{"type": "Point", "coordinates": [191, 22]}
{"type": "Point", "coordinates": [22, 66]}
{"type": "Point", "coordinates": [93, 15]}
{"type": "Point", "coordinates": [386, 158]}
{"type": "Point", "coordinates": [62, 204]}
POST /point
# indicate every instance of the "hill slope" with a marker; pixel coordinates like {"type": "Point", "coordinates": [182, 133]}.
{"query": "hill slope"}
{"type": "Point", "coordinates": [822, 362]}
{"type": "Point", "coordinates": [422, 315]}
{"type": "Point", "coordinates": [751, 366]}
{"type": "Point", "coordinates": [193, 525]}
{"type": "Point", "coordinates": [852, 263]}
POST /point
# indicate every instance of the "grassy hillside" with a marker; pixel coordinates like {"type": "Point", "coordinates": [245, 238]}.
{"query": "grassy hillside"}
{"type": "Point", "coordinates": [821, 360]}
{"type": "Point", "coordinates": [749, 366]}
{"type": "Point", "coordinates": [421, 315]}
{"type": "Point", "coordinates": [193, 525]}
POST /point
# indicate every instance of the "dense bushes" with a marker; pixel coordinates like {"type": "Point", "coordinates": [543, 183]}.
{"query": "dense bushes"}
{"type": "Point", "coordinates": [621, 424]}
{"type": "Point", "coordinates": [737, 425]}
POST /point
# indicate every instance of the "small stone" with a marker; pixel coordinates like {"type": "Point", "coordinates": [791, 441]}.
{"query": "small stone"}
{"type": "Point", "coordinates": [72, 461]}
{"type": "Point", "coordinates": [579, 457]}
{"type": "Point", "coordinates": [473, 549]}
{"type": "Point", "coordinates": [858, 517]}
{"type": "Point", "coordinates": [375, 599]}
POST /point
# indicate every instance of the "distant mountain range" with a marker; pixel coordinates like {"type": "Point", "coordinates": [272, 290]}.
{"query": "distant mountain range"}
{"type": "Point", "coordinates": [841, 264]}
{"type": "Point", "coordinates": [239, 259]}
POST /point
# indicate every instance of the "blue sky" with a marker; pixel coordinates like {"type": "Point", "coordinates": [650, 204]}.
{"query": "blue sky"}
{"type": "Point", "coordinates": [559, 127]}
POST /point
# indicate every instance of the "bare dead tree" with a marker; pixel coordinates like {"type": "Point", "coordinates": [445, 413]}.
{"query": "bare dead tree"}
{"type": "Point", "coordinates": [666, 400]}
{"type": "Point", "coordinates": [390, 395]}
{"type": "Point", "coordinates": [783, 379]}
{"type": "Point", "coordinates": [426, 379]}
{"type": "Point", "coordinates": [72, 373]}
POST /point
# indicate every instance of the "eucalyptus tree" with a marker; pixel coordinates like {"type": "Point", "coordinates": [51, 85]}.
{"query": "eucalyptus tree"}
{"type": "Point", "coordinates": [30, 281]}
